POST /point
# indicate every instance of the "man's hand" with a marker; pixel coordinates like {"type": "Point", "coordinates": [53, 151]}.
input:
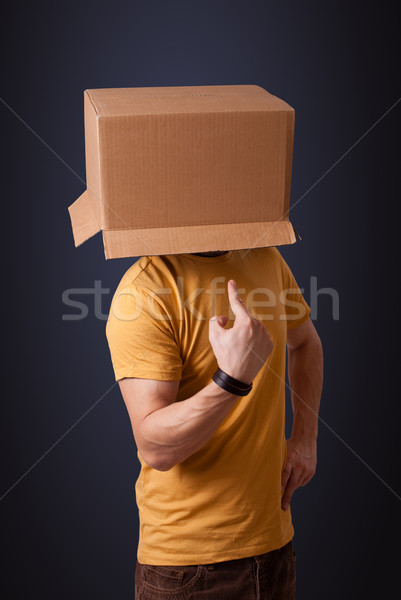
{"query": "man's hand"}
{"type": "Point", "coordinates": [241, 350]}
{"type": "Point", "coordinates": [299, 469]}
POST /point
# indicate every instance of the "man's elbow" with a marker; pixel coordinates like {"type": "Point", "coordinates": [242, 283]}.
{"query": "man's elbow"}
{"type": "Point", "coordinates": [155, 455]}
{"type": "Point", "coordinates": [157, 462]}
{"type": "Point", "coordinates": [161, 466]}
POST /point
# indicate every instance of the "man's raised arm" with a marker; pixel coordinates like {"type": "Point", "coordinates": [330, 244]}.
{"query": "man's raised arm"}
{"type": "Point", "coordinates": [167, 432]}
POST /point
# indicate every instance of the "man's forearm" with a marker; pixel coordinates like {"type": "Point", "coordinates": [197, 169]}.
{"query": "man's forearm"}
{"type": "Point", "coordinates": [175, 432]}
{"type": "Point", "coordinates": [305, 373]}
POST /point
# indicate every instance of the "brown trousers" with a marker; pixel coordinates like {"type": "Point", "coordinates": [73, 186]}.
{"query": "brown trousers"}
{"type": "Point", "coordinates": [269, 576]}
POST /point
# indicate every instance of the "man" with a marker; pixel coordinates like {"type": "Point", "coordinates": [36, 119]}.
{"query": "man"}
{"type": "Point", "coordinates": [217, 474]}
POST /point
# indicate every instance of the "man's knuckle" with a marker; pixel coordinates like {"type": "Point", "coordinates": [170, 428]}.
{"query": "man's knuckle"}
{"type": "Point", "coordinates": [248, 326]}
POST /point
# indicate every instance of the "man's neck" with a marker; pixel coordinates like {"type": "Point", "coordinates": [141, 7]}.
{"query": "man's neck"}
{"type": "Point", "coordinates": [216, 253]}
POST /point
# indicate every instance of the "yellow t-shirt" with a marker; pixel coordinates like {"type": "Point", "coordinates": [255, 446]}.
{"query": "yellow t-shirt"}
{"type": "Point", "coordinates": [224, 501]}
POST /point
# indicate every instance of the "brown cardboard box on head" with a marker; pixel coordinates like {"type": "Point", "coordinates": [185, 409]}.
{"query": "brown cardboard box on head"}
{"type": "Point", "coordinates": [174, 170]}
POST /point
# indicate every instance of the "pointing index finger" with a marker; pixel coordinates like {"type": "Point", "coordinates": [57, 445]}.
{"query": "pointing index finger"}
{"type": "Point", "coordinates": [236, 302]}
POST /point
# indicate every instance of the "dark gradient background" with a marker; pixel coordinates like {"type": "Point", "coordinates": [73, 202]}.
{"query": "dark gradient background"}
{"type": "Point", "coordinates": [69, 524]}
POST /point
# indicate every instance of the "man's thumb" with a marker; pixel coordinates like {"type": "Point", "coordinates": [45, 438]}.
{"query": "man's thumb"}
{"type": "Point", "coordinates": [219, 321]}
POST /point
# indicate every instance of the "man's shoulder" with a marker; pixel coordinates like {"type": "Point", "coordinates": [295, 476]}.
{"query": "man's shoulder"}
{"type": "Point", "coordinates": [133, 272]}
{"type": "Point", "coordinates": [267, 260]}
{"type": "Point", "coordinates": [147, 277]}
{"type": "Point", "coordinates": [146, 272]}
{"type": "Point", "coordinates": [138, 293]}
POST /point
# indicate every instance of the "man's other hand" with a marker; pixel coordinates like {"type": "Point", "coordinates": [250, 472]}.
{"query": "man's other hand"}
{"type": "Point", "coordinates": [299, 469]}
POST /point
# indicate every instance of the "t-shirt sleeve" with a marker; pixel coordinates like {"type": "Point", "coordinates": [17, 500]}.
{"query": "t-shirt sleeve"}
{"type": "Point", "coordinates": [141, 338]}
{"type": "Point", "coordinates": [296, 309]}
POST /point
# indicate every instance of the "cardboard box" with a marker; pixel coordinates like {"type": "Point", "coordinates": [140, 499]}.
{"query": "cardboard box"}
{"type": "Point", "coordinates": [175, 170]}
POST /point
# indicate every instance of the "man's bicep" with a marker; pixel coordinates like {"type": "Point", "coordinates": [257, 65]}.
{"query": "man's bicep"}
{"type": "Point", "coordinates": [304, 333]}
{"type": "Point", "coordinates": [142, 397]}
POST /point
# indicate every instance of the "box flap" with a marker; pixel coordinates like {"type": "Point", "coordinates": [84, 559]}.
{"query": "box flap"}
{"type": "Point", "coordinates": [196, 238]}
{"type": "Point", "coordinates": [83, 219]}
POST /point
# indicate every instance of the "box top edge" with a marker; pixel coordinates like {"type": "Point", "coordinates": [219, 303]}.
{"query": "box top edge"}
{"type": "Point", "coordinates": [117, 102]}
